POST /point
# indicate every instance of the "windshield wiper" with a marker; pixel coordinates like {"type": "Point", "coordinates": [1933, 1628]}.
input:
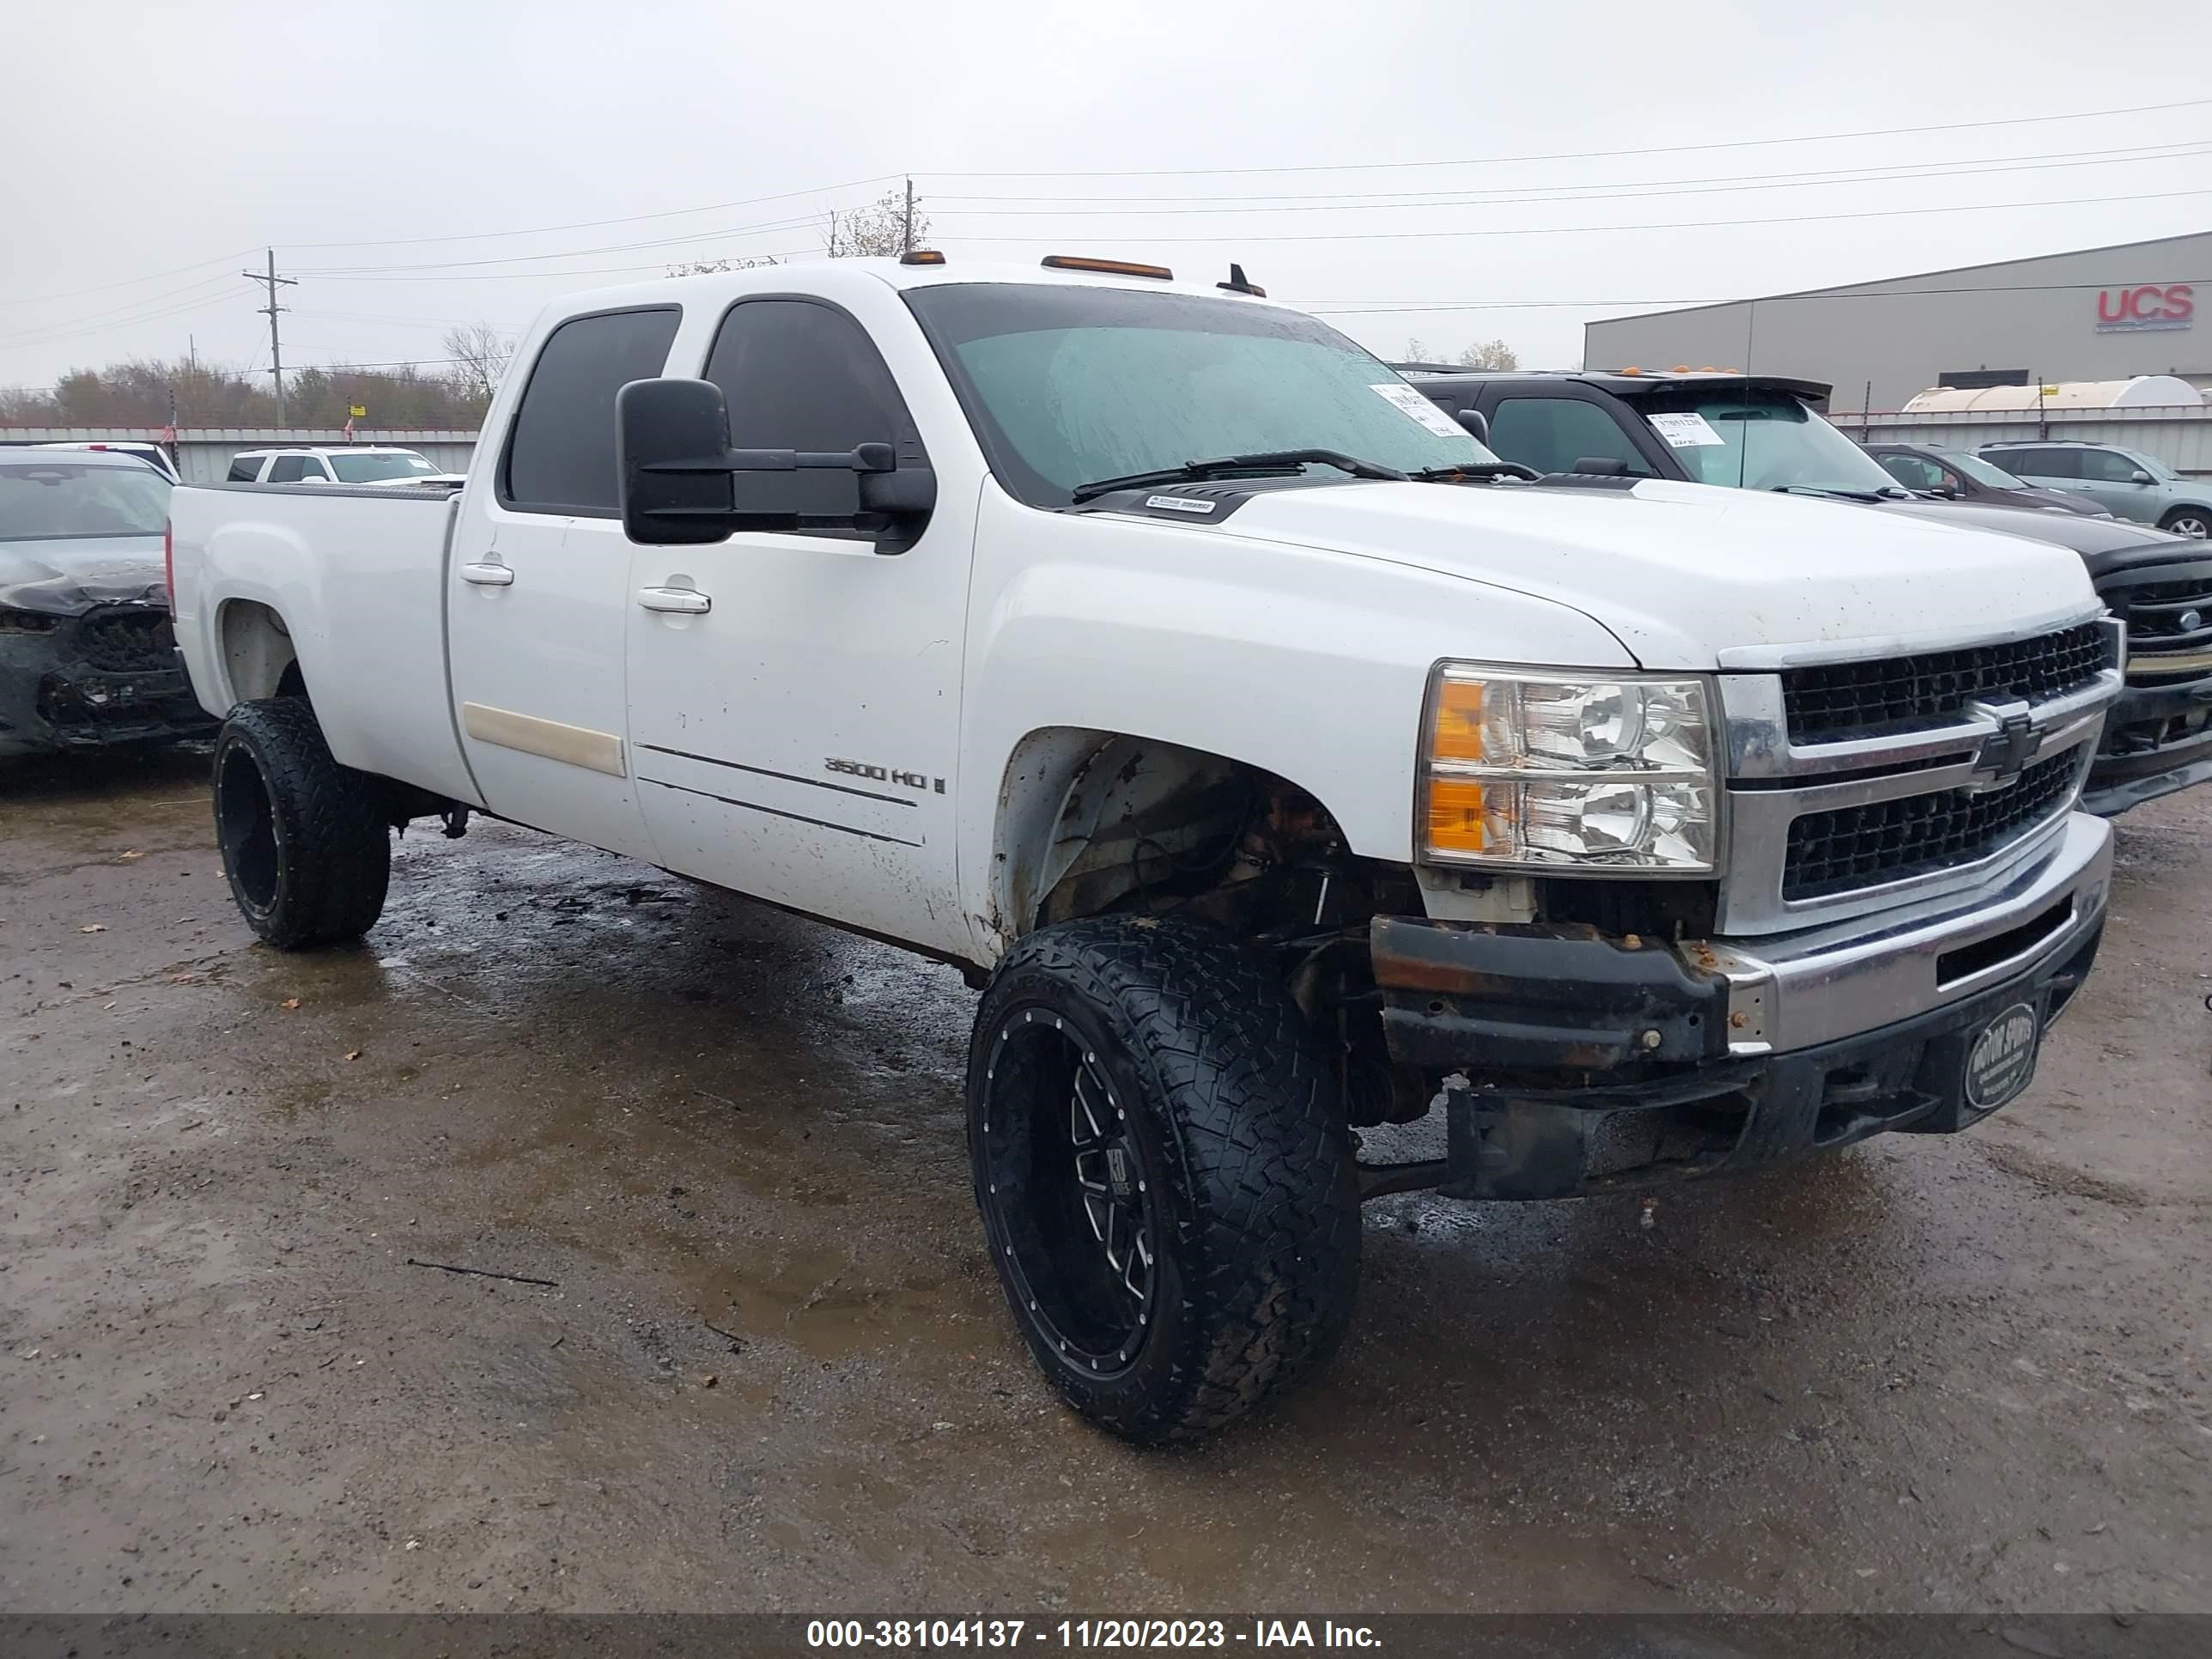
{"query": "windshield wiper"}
{"type": "Point", "coordinates": [1271, 460]}
{"type": "Point", "coordinates": [1476, 470]}
{"type": "Point", "coordinates": [1837, 492]}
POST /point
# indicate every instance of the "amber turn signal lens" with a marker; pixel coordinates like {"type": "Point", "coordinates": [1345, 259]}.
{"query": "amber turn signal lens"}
{"type": "Point", "coordinates": [1458, 732]}
{"type": "Point", "coordinates": [1457, 820]}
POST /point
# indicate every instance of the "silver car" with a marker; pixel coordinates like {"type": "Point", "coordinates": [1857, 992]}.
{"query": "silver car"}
{"type": "Point", "coordinates": [2132, 485]}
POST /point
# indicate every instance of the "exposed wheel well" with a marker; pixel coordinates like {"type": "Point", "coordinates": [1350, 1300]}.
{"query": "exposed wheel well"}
{"type": "Point", "coordinates": [1091, 822]}
{"type": "Point", "coordinates": [1096, 824]}
{"type": "Point", "coordinates": [257, 653]}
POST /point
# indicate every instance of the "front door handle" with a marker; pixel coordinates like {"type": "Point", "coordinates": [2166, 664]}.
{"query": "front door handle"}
{"type": "Point", "coordinates": [676, 601]}
{"type": "Point", "coordinates": [489, 575]}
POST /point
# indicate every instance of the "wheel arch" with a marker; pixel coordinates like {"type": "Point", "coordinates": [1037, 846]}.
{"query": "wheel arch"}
{"type": "Point", "coordinates": [1072, 803]}
{"type": "Point", "coordinates": [258, 659]}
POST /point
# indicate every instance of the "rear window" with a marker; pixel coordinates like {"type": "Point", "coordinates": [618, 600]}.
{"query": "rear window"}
{"type": "Point", "coordinates": [1552, 434]}
{"type": "Point", "coordinates": [244, 468]}
{"type": "Point", "coordinates": [561, 450]}
{"type": "Point", "coordinates": [2040, 463]}
{"type": "Point", "coordinates": [378, 468]}
{"type": "Point", "coordinates": [56, 501]}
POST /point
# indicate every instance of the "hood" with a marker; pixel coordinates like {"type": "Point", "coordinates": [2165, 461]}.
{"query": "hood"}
{"type": "Point", "coordinates": [2033, 496]}
{"type": "Point", "coordinates": [1693, 576]}
{"type": "Point", "coordinates": [69, 577]}
{"type": "Point", "coordinates": [2094, 539]}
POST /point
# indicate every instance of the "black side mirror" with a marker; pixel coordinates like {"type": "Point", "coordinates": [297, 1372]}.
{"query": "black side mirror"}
{"type": "Point", "coordinates": [1477, 428]}
{"type": "Point", "coordinates": [681, 482]}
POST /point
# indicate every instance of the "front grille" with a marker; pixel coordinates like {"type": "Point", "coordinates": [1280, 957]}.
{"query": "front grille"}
{"type": "Point", "coordinates": [1854, 847]}
{"type": "Point", "coordinates": [127, 642]}
{"type": "Point", "coordinates": [1842, 701]}
{"type": "Point", "coordinates": [2158, 613]}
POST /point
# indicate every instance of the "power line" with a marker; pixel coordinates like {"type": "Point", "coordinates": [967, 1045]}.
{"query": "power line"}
{"type": "Point", "coordinates": [128, 282]}
{"type": "Point", "coordinates": [1431, 196]}
{"type": "Point", "coordinates": [1521, 194]}
{"type": "Point", "coordinates": [1571, 230]}
{"type": "Point", "coordinates": [595, 224]}
{"type": "Point", "coordinates": [1576, 155]}
{"type": "Point", "coordinates": [46, 329]}
{"type": "Point", "coordinates": [567, 253]}
{"type": "Point", "coordinates": [1383, 308]}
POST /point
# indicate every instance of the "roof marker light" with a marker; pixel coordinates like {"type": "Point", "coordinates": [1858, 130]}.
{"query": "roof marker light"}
{"type": "Point", "coordinates": [1105, 267]}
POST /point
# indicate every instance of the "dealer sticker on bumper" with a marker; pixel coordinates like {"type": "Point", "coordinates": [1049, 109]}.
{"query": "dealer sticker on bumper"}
{"type": "Point", "coordinates": [2002, 1058]}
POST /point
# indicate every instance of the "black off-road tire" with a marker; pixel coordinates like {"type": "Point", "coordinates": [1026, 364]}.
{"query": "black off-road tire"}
{"type": "Point", "coordinates": [304, 839]}
{"type": "Point", "coordinates": [1229, 1114]}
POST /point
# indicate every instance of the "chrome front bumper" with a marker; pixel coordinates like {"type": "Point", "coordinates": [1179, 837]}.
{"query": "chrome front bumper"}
{"type": "Point", "coordinates": [1798, 990]}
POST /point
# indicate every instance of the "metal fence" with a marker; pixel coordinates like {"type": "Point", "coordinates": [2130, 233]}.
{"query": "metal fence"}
{"type": "Point", "coordinates": [203, 452]}
{"type": "Point", "coordinates": [2179, 436]}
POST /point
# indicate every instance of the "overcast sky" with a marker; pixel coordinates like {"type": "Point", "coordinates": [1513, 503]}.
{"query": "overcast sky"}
{"type": "Point", "coordinates": [155, 148]}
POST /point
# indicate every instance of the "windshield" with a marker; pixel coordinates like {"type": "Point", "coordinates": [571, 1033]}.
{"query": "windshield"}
{"type": "Point", "coordinates": [376, 469]}
{"type": "Point", "coordinates": [2152, 464]}
{"type": "Point", "coordinates": [1756, 440]}
{"type": "Point", "coordinates": [1069, 386]}
{"type": "Point", "coordinates": [1981, 471]}
{"type": "Point", "coordinates": [56, 501]}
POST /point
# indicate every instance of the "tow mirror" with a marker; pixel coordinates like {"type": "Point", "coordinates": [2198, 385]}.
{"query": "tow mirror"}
{"type": "Point", "coordinates": [1477, 428]}
{"type": "Point", "coordinates": [681, 482]}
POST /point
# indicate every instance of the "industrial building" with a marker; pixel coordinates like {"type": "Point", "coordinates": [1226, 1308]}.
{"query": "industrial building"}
{"type": "Point", "coordinates": [2103, 314]}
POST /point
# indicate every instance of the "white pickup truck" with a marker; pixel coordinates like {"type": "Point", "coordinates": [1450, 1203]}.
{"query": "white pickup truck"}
{"type": "Point", "coordinates": [1617, 831]}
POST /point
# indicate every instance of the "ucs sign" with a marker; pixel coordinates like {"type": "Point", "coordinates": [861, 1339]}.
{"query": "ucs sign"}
{"type": "Point", "coordinates": [2133, 310]}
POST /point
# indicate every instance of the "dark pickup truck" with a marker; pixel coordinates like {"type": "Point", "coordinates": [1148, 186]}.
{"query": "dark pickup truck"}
{"type": "Point", "coordinates": [1766, 432]}
{"type": "Point", "coordinates": [87, 659]}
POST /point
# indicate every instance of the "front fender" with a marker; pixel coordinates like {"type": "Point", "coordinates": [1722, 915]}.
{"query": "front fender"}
{"type": "Point", "coordinates": [1307, 663]}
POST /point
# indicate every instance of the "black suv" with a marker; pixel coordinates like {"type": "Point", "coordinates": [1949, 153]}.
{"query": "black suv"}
{"type": "Point", "coordinates": [1764, 432]}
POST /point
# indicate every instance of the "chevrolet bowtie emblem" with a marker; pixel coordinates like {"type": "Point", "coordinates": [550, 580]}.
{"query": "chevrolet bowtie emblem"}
{"type": "Point", "coordinates": [2006, 751]}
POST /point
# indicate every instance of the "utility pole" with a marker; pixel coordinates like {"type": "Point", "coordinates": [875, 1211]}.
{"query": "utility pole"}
{"type": "Point", "coordinates": [906, 236]}
{"type": "Point", "coordinates": [272, 281]}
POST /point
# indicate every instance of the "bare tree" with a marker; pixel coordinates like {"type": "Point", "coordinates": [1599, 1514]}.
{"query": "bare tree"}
{"type": "Point", "coordinates": [716, 267]}
{"type": "Point", "coordinates": [480, 356]}
{"type": "Point", "coordinates": [879, 230]}
{"type": "Point", "coordinates": [1491, 354]}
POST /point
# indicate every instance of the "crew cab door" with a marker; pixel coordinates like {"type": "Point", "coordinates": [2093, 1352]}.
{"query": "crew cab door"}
{"type": "Point", "coordinates": [537, 592]}
{"type": "Point", "coordinates": [794, 699]}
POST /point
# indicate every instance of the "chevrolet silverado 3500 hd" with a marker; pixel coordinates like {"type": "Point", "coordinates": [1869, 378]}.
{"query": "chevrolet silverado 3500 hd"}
{"type": "Point", "coordinates": [1344, 778]}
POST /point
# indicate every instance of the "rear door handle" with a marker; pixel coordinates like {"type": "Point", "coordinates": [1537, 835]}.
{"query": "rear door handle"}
{"type": "Point", "coordinates": [676, 601]}
{"type": "Point", "coordinates": [489, 575]}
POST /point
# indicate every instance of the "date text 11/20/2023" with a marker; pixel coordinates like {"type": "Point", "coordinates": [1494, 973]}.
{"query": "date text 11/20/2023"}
{"type": "Point", "coordinates": [1071, 1633]}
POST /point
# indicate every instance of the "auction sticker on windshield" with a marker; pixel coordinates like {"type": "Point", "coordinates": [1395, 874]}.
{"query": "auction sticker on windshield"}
{"type": "Point", "coordinates": [1414, 406]}
{"type": "Point", "coordinates": [1690, 431]}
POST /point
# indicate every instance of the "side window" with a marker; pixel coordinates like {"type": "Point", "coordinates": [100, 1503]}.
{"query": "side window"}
{"type": "Point", "coordinates": [2107, 466]}
{"type": "Point", "coordinates": [317, 471]}
{"type": "Point", "coordinates": [798, 375]}
{"type": "Point", "coordinates": [288, 469]}
{"type": "Point", "coordinates": [803, 376]}
{"type": "Point", "coordinates": [1552, 434]}
{"type": "Point", "coordinates": [1913, 472]}
{"type": "Point", "coordinates": [2040, 463]}
{"type": "Point", "coordinates": [561, 446]}
{"type": "Point", "coordinates": [244, 468]}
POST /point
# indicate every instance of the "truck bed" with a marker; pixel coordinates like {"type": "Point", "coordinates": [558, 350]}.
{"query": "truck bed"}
{"type": "Point", "coordinates": [359, 570]}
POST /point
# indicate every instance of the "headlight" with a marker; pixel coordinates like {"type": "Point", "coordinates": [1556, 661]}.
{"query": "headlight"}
{"type": "Point", "coordinates": [1535, 769]}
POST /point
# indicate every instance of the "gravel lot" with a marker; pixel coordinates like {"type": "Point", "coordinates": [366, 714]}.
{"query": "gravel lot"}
{"type": "Point", "coordinates": [771, 1371]}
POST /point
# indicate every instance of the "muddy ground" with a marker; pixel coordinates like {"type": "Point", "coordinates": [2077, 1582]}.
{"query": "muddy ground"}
{"type": "Point", "coordinates": [772, 1371]}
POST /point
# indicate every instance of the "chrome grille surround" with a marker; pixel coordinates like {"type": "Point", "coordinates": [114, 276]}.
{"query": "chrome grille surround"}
{"type": "Point", "coordinates": [1772, 781]}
